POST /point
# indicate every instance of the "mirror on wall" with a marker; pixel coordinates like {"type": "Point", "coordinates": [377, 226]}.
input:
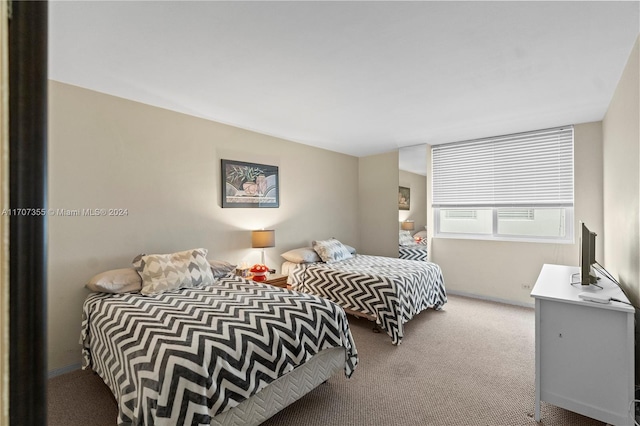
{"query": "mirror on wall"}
{"type": "Point", "coordinates": [412, 188]}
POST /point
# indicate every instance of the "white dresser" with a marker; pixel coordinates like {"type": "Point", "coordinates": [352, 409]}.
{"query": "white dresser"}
{"type": "Point", "coordinates": [584, 350]}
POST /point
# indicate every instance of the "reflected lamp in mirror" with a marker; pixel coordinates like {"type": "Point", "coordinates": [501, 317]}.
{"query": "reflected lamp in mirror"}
{"type": "Point", "coordinates": [407, 225]}
{"type": "Point", "coordinates": [262, 239]}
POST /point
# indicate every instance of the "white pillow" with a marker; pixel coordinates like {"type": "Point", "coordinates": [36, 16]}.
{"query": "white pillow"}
{"type": "Point", "coordinates": [421, 234]}
{"type": "Point", "coordinates": [125, 280]}
{"type": "Point", "coordinates": [331, 250]}
{"type": "Point", "coordinates": [220, 268]}
{"type": "Point", "coordinates": [352, 250]}
{"type": "Point", "coordinates": [301, 255]}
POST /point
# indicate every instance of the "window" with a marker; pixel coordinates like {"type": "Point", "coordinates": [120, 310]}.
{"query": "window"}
{"type": "Point", "coordinates": [514, 187]}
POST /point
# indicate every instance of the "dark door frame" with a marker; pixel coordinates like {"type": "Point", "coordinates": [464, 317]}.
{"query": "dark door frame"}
{"type": "Point", "coordinates": [27, 228]}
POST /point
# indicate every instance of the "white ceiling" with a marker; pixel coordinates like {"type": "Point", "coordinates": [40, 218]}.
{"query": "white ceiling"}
{"type": "Point", "coordinates": [354, 77]}
{"type": "Point", "coordinates": [413, 159]}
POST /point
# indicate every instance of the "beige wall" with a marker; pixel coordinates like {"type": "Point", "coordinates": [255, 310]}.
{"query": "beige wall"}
{"type": "Point", "coordinates": [164, 167]}
{"type": "Point", "coordinates": [418, 208]}
{"type": "Point", "coordinates": [621, 155]}
{"type": "Point", "coordinates": [378, 204]}
{"type": "Point", "coordinates": [507, 270]}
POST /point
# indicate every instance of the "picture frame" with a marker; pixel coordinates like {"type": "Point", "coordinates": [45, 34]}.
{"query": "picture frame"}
{"type": "Point", "coordinates": [249, 185]}
{"type": "Point", "coordinates": [404, 198]}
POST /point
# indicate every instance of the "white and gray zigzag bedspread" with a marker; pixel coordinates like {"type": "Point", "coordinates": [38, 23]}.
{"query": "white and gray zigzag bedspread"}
{"type": "Point", "coordinates": [392, 290]}
{"type": "Point", "coordinates": [414, 252]}
{"type": "Point", "coordinates": [185, 356]}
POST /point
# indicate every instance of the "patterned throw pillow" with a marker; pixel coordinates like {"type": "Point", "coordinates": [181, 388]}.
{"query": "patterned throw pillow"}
{"type": "Point", "coordinates": [331, 250]}
{"type": "Point", "coordinates": [166, 272]}
{"type": "Point", "coordinates": [406, 239]}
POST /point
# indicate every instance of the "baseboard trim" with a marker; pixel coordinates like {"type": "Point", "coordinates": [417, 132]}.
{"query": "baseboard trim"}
{"type": "Point", "coordinates": [63, 370]}
{"type": "Point", "coordinates": [490, 298]}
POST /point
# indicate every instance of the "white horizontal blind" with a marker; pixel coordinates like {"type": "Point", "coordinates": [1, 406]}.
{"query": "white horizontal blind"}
{"type": "Point", "coordinates": [534, 169]}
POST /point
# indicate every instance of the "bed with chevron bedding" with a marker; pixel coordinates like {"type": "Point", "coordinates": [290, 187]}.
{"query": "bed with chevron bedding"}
{"type": "Point", "coordinates": [387, 290]}
{"type": "Point", "coordinates": [213, 354]}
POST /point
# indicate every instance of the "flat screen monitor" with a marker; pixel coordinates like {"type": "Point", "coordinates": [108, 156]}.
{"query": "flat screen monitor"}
{"type": "Point", "coordinates": [587, 256]}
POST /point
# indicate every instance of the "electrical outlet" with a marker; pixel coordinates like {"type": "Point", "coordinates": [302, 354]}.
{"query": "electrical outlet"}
{"type": "Point", "coordinates": [526, 286]}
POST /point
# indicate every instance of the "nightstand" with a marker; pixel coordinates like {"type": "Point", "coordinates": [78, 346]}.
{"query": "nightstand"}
{"type": "Point", "coordinates": [277, 280]}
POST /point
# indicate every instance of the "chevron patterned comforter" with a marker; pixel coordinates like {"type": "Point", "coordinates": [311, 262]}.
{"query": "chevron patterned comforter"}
{"type": "Point", "coordinates": [416, 252]}
{"type": "Point", "coordinates": [183, 357]}
{"type": "Point", "coordinates": [392, 290]}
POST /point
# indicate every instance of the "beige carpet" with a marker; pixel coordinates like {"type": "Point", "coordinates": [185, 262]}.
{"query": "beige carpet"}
{"type": "Point", "coordinates": [469, 364]}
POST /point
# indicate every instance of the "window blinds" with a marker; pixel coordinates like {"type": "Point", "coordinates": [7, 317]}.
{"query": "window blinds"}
{"type": "Point", "coordinates": [533, 169]}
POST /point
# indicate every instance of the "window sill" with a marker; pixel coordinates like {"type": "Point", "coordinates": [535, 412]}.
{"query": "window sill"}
{"type": "Point", "coordinates": [503, 239]}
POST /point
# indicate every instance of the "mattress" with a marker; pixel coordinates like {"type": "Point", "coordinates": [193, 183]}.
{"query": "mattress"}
{"type": "Point", "coordinates": [390, 290]}
{"type": "Point", "coordinates": [284, 391]}
{"type": "Point", "coordinates": [189, 356]}
{"type": "Point", "coordinates": [288, 267]}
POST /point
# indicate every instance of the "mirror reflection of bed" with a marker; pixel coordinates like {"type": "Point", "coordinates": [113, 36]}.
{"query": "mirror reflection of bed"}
{"type": "Point", "coordinates": [412, 221]}
{"type": "Point", "coordinates": [412, 246]}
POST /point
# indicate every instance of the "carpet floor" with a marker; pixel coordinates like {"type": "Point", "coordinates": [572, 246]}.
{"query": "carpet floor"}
{"type": "Point", "coordinates": [473, 363]}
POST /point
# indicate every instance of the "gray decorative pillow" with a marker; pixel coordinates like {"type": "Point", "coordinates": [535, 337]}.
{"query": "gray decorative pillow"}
{"type": "Point", "coordinates": [125, 280]}
{"type": "Point", "coordinates": [331, 250]}
{"type": "Point", "coordinates": [220, 268]}
{"type": "Point", "coordinates": [406, 239]}
{"type": "Point", "coordinates": [166, 272]}
{"type": "Point", "coordinates": [301, 255]}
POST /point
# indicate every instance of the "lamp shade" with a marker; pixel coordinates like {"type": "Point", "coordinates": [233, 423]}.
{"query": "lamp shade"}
{"type": "Point", "coordinates": [407, 225]}
{"type": "Point", "coordinates": [263, 238]}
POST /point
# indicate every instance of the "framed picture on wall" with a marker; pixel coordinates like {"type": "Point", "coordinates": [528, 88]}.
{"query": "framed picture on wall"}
{"type": "Point", "coordinates": [404, 198]}
{"type": "Point", "coordinates": [249, 185]}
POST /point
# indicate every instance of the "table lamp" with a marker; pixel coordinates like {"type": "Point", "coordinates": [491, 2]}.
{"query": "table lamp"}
{"type": "Point", "coordinates": [262, 239]}
{"type": "Point", "coordinates": [407, 225]}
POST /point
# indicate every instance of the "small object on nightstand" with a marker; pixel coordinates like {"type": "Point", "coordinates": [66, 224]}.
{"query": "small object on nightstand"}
{"type": "Point", "coordinates": [243, 272]}
{"type": "Point", "coordinates": [259, 273]}
{"type": "Point", "coordinates": [277, 280]}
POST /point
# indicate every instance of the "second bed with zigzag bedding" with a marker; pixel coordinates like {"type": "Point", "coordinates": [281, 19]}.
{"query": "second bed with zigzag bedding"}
{"type": "Point", "coordinates": [193, 355]}
{"type": "Point", "coordinates": [390, 290]}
